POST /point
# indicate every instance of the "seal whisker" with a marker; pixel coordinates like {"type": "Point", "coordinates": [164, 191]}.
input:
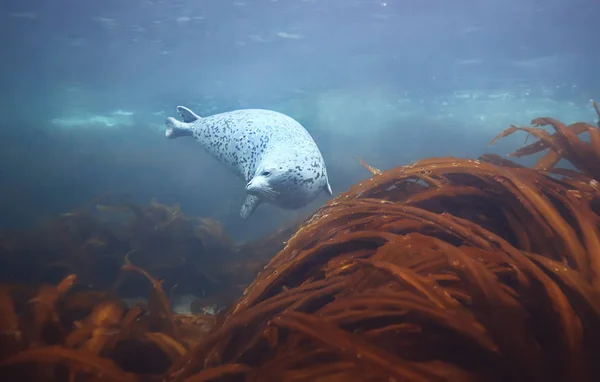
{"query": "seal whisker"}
{"type": "Point", "coordinates": [269, 193]}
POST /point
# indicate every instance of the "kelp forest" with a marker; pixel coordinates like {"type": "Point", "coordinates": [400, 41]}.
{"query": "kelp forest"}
{"type": "Point", "coordinates": [448, 269]}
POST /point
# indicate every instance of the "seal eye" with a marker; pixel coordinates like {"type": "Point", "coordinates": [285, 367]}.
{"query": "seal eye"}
{"type": "Point", "coordinates": [266, 173]}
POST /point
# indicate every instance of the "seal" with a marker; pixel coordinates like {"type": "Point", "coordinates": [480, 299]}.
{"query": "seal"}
{"type": "Point", "coordinates": [272, 152]}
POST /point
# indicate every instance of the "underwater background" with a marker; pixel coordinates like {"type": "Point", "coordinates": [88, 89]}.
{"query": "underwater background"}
{"type": "Point", "coordinates": [439, 257]}
{"type": "Point", "coordinates": [87, 85]}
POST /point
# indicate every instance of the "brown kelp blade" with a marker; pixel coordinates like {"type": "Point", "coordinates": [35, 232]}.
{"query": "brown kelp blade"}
{"type": "Point", "coordinates": [160, 296]}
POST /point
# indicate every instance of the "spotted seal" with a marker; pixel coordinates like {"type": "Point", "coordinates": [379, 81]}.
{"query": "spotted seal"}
{"type": "Point", "coordinates": [273, 153]}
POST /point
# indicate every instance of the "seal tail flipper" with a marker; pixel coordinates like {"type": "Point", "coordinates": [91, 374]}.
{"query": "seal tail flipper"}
{"type": "Point", "coordinates": [177, 128]}
{"type": "Point", "coordinates": [249, 206]}
{"type": "Point", "coordinates": [187, 115]}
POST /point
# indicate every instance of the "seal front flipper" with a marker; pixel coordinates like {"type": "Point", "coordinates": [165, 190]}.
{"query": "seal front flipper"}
{"type": "Point", "coordinates": [249, 206]}
{"type": "Point", "coordinates": [187, 115]}
{"type": "Point", "coordinates": [177, 128]}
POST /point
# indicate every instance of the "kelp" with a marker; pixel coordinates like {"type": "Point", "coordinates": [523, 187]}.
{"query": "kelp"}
{"type": "Point", "coordinates": [82, 328]}
{"type": "Point", "coordinates": [101, 338]}
{"type": "Point", "coordinates": [191, 255]}
{"type": "Point", "coordinates": [447, 269]}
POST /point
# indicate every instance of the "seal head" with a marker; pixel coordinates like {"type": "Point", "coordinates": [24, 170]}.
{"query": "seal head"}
{"type": "Point", "coordinates": [281, 181]}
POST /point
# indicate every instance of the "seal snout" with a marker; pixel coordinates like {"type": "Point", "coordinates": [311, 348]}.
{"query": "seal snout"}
{"type": "Point", "coordinates": [255, 186]}
{"type": "Point", "coordinates": [251, 188]}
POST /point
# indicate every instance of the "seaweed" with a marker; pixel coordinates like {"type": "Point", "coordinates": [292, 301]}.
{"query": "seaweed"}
{"type": "Point", "coordinates": [66, 285]}
{"type": "Point", "coordinates": [110, 342]}
{"type": "Point", "coordinates": [191, 255]}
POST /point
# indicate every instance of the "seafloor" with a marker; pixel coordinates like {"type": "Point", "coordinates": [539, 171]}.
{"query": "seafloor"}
{"type": "Point", "coordinates": [449, 269]}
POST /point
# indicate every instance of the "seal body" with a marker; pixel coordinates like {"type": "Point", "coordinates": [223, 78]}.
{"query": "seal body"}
{"type": "Point", "coordinates": [273, 153]}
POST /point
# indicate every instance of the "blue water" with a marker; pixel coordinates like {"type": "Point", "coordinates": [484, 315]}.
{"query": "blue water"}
{"type": "Point", "coordinates": [88, 84]}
